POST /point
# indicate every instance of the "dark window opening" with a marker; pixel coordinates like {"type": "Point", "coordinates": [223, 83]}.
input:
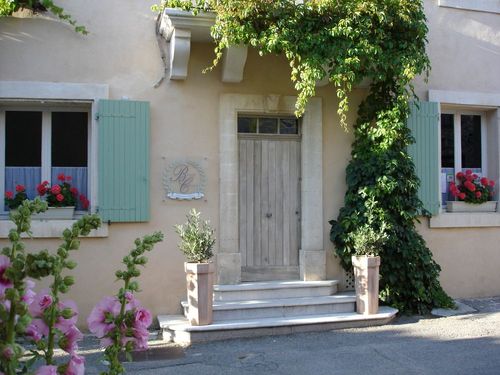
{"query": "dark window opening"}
{"type": "Point", "coordinates": [69, 139]}
{"type": "Point", "coordinates": [23, 139]}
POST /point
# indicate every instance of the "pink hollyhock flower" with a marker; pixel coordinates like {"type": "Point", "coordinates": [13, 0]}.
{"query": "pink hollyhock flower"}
{"type": "Point", "coordinates": [40, 303]}
{"type": "Point", "coordinates": [37, 329]}
{"type": "Point", "coordinates": [76, 365]}
{"type": "Point", "coordinates": [97, 319]}
{"type": "Point", "coordinates": [141, 335]}
{"type": "Point", "coordinates": [4, 282]}
{"type": "Point", "coordinates": [8, 352]}
{"type": "Point", "coordinates": [142, 318]}
{"type": "Point", "coordinates": [62, 323]}
{"type": "Point", "coordinates": [60, 197]}
{"type": "Point", "coordinates": [61, 177]}
{"type": "Point", "coordinates": [69, 341]}
{"type": "Point", "coordinates": [46, 370]}
{"type": "Point", "coordinates": [20, 188]}
{"type": "Point", "coordinates": [56, 189]}
{"type": "Point", "coordinates": [9, 195]}
{"type": "Point", "coordinates": [29, 294]}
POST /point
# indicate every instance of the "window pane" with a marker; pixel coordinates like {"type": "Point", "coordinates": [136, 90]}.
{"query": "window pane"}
{"type": "Point", "coordinates": [268, 125]}
{"type": "Point", "coordinates": [23, 139]}
{"type": "Point", "coordinates": [69, 139]}
{"type": "Point", "coordinates": [289, 126]}
{"type": "Point", "coordinates": [447, 141]}
{"type": "Point", "coordinates": [471, 141]}
{"type": "Point", "coordinates": [247, 125]}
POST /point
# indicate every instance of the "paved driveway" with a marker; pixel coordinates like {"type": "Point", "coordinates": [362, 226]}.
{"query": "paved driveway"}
{"type": "Point", "coordinates": [464, 344]}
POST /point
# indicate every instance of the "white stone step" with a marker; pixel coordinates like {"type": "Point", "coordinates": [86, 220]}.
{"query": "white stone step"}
{"type": "Point", "coordinates": [282, 307]}
{"type": "Point", "coordinates": [274, 289]}
{"type": "Point", "coordinates": [177, 329]}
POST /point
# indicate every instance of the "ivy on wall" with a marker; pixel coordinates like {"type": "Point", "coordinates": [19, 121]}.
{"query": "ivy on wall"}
{"type": "Point", "coordinates": [8, 7]}
{"type": "Point", "coordinates": [348, 41]}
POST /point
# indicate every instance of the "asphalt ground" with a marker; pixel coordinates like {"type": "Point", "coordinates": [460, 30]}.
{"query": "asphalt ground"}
{"type": "Point", "coordinates": [460, 344]}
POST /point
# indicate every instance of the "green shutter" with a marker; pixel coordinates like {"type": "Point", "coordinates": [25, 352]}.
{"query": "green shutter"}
{"type": "Point", "coordinates": [123, 160]}
{"type": "Point", "coordinates": [424, 125]}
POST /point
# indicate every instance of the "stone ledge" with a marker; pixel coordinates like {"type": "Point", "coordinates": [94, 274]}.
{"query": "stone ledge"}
{"type": "Point", "coordinates": [465, 220]}
{"type": "Point", "coordinates": [50, 229]}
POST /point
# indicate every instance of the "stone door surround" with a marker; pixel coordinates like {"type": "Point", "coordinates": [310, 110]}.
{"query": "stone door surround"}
{"type": "Point", "coordinates": [312, 259]}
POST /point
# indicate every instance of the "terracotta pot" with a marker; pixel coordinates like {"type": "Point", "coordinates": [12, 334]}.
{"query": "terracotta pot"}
{"type": "Point", "coordinates": [458, 206]}
{"type": "Point", "coordinates": [366, 278]}
{"type": "Point", "coordinates": [200, 287]}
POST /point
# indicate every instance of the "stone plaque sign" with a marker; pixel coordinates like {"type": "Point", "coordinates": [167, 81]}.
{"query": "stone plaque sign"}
{"type": "Point", "coordinates": [184, 180]}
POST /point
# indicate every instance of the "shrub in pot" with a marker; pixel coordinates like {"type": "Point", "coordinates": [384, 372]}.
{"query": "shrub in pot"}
{"type": "Point", "coordinates": [366, 264]}
{"type": "Point", "coordinates": [197, 241]}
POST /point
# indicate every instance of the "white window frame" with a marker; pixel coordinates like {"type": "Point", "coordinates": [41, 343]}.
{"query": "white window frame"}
{"type": "Point", "coordinates": [46, 160]}
{"type": "Point", "coordinates": [46, 93]}
{"type": "Point", "coordinates": [457, 135]}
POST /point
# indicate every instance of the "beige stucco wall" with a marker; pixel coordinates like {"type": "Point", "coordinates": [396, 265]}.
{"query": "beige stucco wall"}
{"type": "Point", "coordinates": [121, 51]}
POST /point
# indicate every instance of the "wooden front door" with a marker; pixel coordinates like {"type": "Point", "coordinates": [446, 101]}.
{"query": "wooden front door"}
{"type": "Point", "coordinates": [269, 206]}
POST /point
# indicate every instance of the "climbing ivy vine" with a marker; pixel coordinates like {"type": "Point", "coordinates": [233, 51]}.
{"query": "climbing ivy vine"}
{"type": "Point", "coordinates": [8, 7]}
{"type": "Point", "coordinates": [347, 41]}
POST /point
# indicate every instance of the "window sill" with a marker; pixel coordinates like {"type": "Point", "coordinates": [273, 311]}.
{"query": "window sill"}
{"type": "Point", "coordinates": [50, 229]}
{"type": "Point", "coordinates": [489, 6]}
{"type": "Point", "coordinates": [465, 220]}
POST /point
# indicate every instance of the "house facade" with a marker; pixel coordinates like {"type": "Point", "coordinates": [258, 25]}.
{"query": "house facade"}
{"type": "Point", "coordinates": [146, 141]}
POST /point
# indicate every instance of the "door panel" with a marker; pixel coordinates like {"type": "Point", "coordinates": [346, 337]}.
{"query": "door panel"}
{"type": "Point", "coordinates": [269, 207]}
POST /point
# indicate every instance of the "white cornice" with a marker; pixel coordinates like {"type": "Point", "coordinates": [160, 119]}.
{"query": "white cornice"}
{"type": "Point", "coordinates": [199, 25]}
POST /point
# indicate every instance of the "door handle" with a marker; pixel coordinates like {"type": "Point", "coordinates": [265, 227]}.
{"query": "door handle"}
{"type": "Point", "coordinates": [268, 215]}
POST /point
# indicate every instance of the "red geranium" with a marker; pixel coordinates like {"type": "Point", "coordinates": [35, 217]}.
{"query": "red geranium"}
{"type": "Point", "coordinates": [61, 177]}
{"type": "Point", "coordinates": [56, 189]}
{"type": "Point", "coordinates": [61, 194]}
{"type": "Point", "coordinates": [20, 188]}
{"type": "Point", "coordinates": [471, 188]}
{"type": "Point", "coordinates": [9, 194]}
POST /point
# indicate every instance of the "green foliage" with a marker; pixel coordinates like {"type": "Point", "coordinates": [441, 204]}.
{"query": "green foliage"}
{"type": "Point", "coordinates": [7, 7]}
{"type": "Point", "coordinates": [382, 41]}
{"type": "Point", "coordinates": [197, 238]}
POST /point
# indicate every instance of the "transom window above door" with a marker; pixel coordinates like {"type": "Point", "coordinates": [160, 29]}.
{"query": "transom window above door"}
{"type": "Point", "coordinates": [42, 143]}
{"type": "Point", "coordinates": [268, 125]}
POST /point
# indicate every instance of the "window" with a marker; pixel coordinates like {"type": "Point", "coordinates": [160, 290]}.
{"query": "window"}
{"type": "Point", "coordinates": [42, 142]}
{"type": "Point", "coordinates": [268, 125]}
{"type": "Point", "coordinates": [463, 146]}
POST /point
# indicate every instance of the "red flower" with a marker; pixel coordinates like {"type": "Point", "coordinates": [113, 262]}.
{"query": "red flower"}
{"type": "Point", "coordinates": [492, 183]}
{"type": "Point", "coordinates": [56, 189]}
{"type": "Point", "coordinates": [460, 175]}
{"type": "Point", "coordinates": [468, 172]}
{"type": "Point", "coordinates": [74, 191]}
{"type": "Point", "coordinates": [45, 183]}
{"type": "Point", "coordinates": [69, 178]}
{"type": "Point", "coordinates": [484, 181]}
{"type": "Point", "coordinates": [461, 196]}
{"type": "Point", "coordinates": [41, 189]}
{"type": "Point", "coordinates": [84, 201]}
{"type": "Point", "coordinates": [9, 194]}
{"type": "Point", "coordinates": [61, 177]}
{"type": "Point", "coordinates": [20, 188]}
{"type": "Point", "coordinates": [60, 197]}
{"type": "Point", "coordinates": [478, 194]}
{"type": "Point", "coordinates": [470, 186]}
{"type": "Point", "coordinates": [474, 176]}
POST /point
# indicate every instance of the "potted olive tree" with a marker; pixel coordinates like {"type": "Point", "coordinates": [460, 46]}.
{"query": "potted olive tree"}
{"type": "Point", "coordinates": [197, 241]}
{"type": "Point", "coordinates": [366, 264]}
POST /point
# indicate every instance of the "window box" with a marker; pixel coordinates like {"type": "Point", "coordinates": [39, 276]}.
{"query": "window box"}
{"type": "Point", "coordinates": [457, 206]}
{"type": "Point", "coordinates": [56, 213]}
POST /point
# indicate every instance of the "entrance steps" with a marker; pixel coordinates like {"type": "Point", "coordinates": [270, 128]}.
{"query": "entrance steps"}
{"type": "Point", "coordinates": [271, 308]}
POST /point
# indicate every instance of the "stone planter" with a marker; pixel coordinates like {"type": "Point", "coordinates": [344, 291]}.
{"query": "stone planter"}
{"type": "Point", "coordinates": [55, 213]}
{"type": "Point", "coordinates": [457, 206]}
{"type": "Point", "coordinates": [366, 278]}
{"type": "Point", "coordinates": [200, 286]}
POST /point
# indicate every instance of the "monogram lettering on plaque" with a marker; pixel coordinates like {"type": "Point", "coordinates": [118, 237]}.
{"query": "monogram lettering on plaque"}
{"type": "Point", "coordinates": [184, 180]}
